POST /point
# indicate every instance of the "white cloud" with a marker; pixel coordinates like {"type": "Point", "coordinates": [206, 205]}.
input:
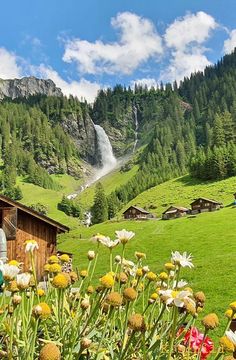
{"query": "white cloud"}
{"type": "Point", "coordinates": [192, 28]}
{"type": "Point", "coordinates": [8, 65]}
{"type": "Point", "coordinates": [230, 43]}
{"type": "Point", "coordinates": [185, 38]}
{"type": "Point", "coordinates": [184, 64]}
{"type": "Point", "coordinates": [81, 89]}
{"type": "Point", "coordinates": [138, 42]}
{"type": "Point", "coordinates": [149, 82]}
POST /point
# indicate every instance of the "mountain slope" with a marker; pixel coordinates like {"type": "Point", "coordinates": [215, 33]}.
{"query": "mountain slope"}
{"type": "Point", "coordinates": [27, 86]}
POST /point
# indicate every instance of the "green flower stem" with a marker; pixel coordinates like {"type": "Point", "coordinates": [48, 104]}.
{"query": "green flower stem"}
{"type": "Point", "coordinates": [93, 312]}
{"type": "Point", "coordinates": [157, 321]}
{"type": "Point", "coordinates": [110, 259]}
{"type": "Point", "coordinates": [32, 344]}
{"type": "Point", "coordinates": [177, 277]}
{"type": "Point", "coordinates": [34, 272]}
{"type": "Point", "coordinates": [122, 355]}
{"type": "Point", "coordinates": [173, 331]}
{"type": "Point", "coordinates": [94, 264]}
{"type": "Point", "coordinates": [104, 331]}
{"type": "Point", "coordinates": [125, 325]}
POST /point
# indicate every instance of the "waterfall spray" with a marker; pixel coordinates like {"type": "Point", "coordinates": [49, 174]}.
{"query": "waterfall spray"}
{"type": "Point", "coordinates": [108, 159]}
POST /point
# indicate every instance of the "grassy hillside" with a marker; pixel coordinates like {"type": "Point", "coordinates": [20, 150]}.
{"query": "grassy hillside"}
{"type": "Point", "coordinates": [33, 194]}
{"type": "Point", "coordinates": [183, 191]}
{"type": "Point", "coordinates": [110, 183]}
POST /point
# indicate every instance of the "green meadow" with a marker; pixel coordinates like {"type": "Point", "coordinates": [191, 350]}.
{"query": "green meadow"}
{"type": "Point", "coordinates": [209, 237]}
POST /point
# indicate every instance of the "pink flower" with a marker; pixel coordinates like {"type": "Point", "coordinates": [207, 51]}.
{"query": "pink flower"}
{"type": "Point", "coordinates": [194, 338]}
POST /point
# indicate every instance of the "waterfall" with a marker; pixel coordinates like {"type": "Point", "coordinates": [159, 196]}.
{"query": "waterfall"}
{"type": "Point", "coordinates": [136, 127]}
{"type": "Point", "coordinates": [108, 160]}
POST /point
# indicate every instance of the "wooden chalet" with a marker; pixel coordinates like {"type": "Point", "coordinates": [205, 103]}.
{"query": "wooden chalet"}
{"type": "Point", "coordinates": [21, 223]}
{"type": "Point", "coordinates": [174, 212]}
{"type": "Point", "coordinates": [203, 204]}
{"type": "Point", "coordinates": [135, 212]}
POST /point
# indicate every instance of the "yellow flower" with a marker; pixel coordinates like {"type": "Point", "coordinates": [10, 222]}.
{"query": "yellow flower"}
{"type": "Point", "coordinates": [42, 310]}
{"type": "Point", "coordinates": [60, 281]}
{"type": "Point", "coordinates": [114, 299]}
{"type": "Point", "coordinates": [40, 292]}
{"type": "Point", "coordinates": [46, 267]}
{"type": "Point", "coordinates": [130, 294]}
{"type": "Point", "coordinates": [16, 299]}
{"type": "Point", "coordinates": [90, 289]}
{"type": "Point", "coordinates": [84, 304]}
{"type": "Point", "coordinates": [50, 352]}
{"type": "Point", "coordinates": [140, 255]}
{"type": "Point", "coordinates": [139, 272]}
{"type": "Point", "coordinates": [210, 321]}
{"type": "Point", "coordinates": [136, 322]}
{"type": "Point", "coordinates": [134, 283]}
{"type": "Point", "coordinates": [12, 286]}
{"type": "Point", "coordinates": [55, 268]}
{"type": "Point", "coordinates": [14, 262]}
{"type": "Point", "coordinates": [163, 276]}
{"type": "Point", "coordinates": [226, 344]}
{"type": "Point", "coordinates": [107, 281]}
{"type": "Point", "coordinates": [122, 278]}
{"type": "Point", "coordinates": [53, 259]}
{"type": "Point", "coordinates": [200, 297]}
{"type": "Point", "coordinates": [65, 258]}
{"type": "Point", "coordinates": [73, 276]}
{"type": "Point", "coordinates": [169, 266]}
{"type": "Point", "coordinates": [230, 314]}
{"type": "Point", "coordinates": [233, 306]}
{"type": "Point", "coordinates": [151, 276]}
{"type": "Point", "coordinates": [85, 343]}
{"type": "Point", "coordinates": [154, 296]}
{"type": "Point", "coordinates": [83, 273]}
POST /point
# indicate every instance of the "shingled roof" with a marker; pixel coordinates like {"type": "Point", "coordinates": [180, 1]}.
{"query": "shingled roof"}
{"type": "Point", "coordinates": [137, 208]}
{"type": "Point", "coordinates": [60, 227]}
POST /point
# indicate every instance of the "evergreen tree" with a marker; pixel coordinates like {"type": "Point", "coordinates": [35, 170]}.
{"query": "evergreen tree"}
{"type": "Point", "coordinates": [100, 208]}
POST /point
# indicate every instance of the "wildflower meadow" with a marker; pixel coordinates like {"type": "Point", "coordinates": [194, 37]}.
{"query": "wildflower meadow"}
{"type": "Point", "coordinates": [130, 312]}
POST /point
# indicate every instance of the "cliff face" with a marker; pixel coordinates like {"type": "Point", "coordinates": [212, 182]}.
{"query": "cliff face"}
{"type": "Point", "coordinates": [27, 86]}
{"type": "Point", "coordinates": [84, 135]}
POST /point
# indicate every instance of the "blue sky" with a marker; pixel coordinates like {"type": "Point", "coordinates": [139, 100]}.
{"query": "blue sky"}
{"type": "Point", "coordinates": [87, 45]}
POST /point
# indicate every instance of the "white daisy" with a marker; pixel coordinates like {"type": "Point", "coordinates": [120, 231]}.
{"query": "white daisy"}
{"type": "Point", "coordinates": [23, 280]}
{"type": "Point", "coordinates": [124, 236]}
{"type": "Point", "coordinates": [175, 297]}
{"type": "Point", "coordinates": [184, 260]}
{"type": "Point", "coordinates": [9, 271]}
{"type": "Point", "coordinates": [106, 241]}
{"type": "Point", "coordinates": [181, 284]}
{"type": "Point", "coordinates": [231, 336]}
{"type": "Point", "coordinates": [31, 245]}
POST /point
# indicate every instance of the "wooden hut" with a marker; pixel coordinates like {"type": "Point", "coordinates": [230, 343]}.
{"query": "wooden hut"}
{"type": "Point", "coordinates": [174, 212]}
{"type": "Point", "coordinates": [135, 212]}
{"type": "Point", "coordinates": [21, 223]}
{"type": "Point", "coordinates": [203, 204]}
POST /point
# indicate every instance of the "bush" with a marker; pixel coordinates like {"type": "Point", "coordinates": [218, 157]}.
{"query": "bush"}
{"type": "Point", "coordinates": [69, 207]}
{"type": "Point", "coordinates": [14, 193]}
{"type": "Point", "coordinates": [41, 208]}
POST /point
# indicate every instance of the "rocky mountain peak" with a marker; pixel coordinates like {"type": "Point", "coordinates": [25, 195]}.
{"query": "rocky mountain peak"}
{"type": "Point", "coordinates": [27, 86]}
